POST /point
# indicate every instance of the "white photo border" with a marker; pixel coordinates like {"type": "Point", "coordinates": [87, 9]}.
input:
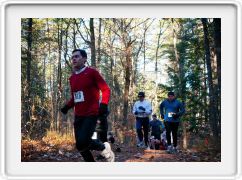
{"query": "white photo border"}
{"type": "Point", "coordinates": [11, 168]}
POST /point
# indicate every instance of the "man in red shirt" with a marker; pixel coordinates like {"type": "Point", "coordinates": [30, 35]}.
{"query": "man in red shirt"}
{"type": "Point", "coordinates": [86, 84]}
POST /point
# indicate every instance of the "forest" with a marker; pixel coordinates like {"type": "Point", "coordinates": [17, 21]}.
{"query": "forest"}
{"type": "Point", "coordinates": [132, 54]}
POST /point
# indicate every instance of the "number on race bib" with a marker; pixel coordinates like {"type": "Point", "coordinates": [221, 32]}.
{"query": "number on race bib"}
{"type": "Point", "coordinates": [78, 96]}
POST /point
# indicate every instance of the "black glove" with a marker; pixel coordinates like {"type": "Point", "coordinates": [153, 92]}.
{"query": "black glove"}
{"type": "Point", "coordinates": [162, 116]}
{"type": "Point", "coordinates": [111, 139]}
{"type": "Point", "coordinates": [136, 113]}
{"type": "Point", "coordinates": [103, 109]}
{"type": "Point", "coordinates": [65, 109]}
{"type": "Point", "coordinates": [175, 116]}
{"type": "Point", "coordinates": [142, 108]}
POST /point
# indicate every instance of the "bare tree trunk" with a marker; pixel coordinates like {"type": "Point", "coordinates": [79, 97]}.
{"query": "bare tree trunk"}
{"type": "Point", "coordinates": [52, 122]}
{"type": "Point", "coordinates": [144, 48]}
{"type": "Point", "coordinates": [28, 70]}
{"type": "Point", "coordinates": [127, 81]}
{"type": "Point", "coordinates": [212, 109]}
{"type": "Point", "coordinates": [134, 74]}
{"type": "Point", "coordinates": [74, 35]}
{"type": "Point", "coordinates": [156, 68]}
{"type": "Point", "coordinates": [182, 84]}
{"type": "Point", "coordinates": [205, 89]}
{"type": "Point", "coordinates": [66, 46]}
{"type": "Point", "coordinates": [99, 43]}
{"type": "Point", "coordinates": [92, 44]}
{"type": "Point", "coordinates": [127, 64]}
{"type": "Point", "coordinates": [217, 43]}
{"type": "Point", "coordinates": [146, 27]}
{"type": "Point", "coordinates": [157, 50]}
{"type": "Point", "coordinates": [59, 75]}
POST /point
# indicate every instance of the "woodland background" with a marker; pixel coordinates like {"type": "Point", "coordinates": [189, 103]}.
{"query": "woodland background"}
{"type": "Point", "coordinates": [151, 55]}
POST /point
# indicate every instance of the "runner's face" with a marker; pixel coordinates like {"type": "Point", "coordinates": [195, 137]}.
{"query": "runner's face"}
{"type": "Point", "coordinates": [141, 98]}
{"type": "Point", "coordinates": [170, 97]}
{"type": "Point", "coordinates": [77, 60]}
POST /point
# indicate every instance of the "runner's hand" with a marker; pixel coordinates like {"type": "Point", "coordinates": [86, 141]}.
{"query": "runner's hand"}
{"type": "Point", "coordinates": [65, 109]}
{"type": "Point", "coordinates": [175, 115]}
{"type": "Point", "coordinates": [103, 109]}
{"type": "Point", "coordinates": [142, 108]}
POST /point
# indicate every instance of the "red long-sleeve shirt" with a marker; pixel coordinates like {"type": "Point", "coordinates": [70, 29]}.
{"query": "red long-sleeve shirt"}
{"type": "Point", "coordinates": [85, 92]}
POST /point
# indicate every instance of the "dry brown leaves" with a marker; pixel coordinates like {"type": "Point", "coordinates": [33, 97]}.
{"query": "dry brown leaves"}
{"type": "Point", "coordinates": [57, 148]}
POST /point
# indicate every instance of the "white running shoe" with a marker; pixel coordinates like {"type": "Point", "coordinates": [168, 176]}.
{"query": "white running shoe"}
{"type": "Point", "coordinates": [108, 153]}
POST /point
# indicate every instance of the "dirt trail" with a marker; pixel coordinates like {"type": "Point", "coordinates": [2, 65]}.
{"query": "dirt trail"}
{"type": "Point", "coordinates": [39, 151]}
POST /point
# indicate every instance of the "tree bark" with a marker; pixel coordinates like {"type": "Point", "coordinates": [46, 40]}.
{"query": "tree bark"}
{"type": "Point", "coordinates": [74, 35]}
{"type": "Point", "coordinates": [28, 70]}
{"type": "Point", "coordinates": [127, 81]}
{"type": "Point", "coordinates": [217, 44]}
{"type": "Point", "coordinates": [182, 84]}
{"type": "Point", "coordinates": [92, 44]}
{"type": "Point", "coordinates": [99, 43]}
{"type": "Point", "coordinates": [212, 108]}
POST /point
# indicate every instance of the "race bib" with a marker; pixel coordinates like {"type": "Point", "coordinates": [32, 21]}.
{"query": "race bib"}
{"type": "Point", "coordinates": [78, 96]}
{"type": "Point", "coordinates": [170, 114]}
{"type": "Point", "coordinates": [94, 136]}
